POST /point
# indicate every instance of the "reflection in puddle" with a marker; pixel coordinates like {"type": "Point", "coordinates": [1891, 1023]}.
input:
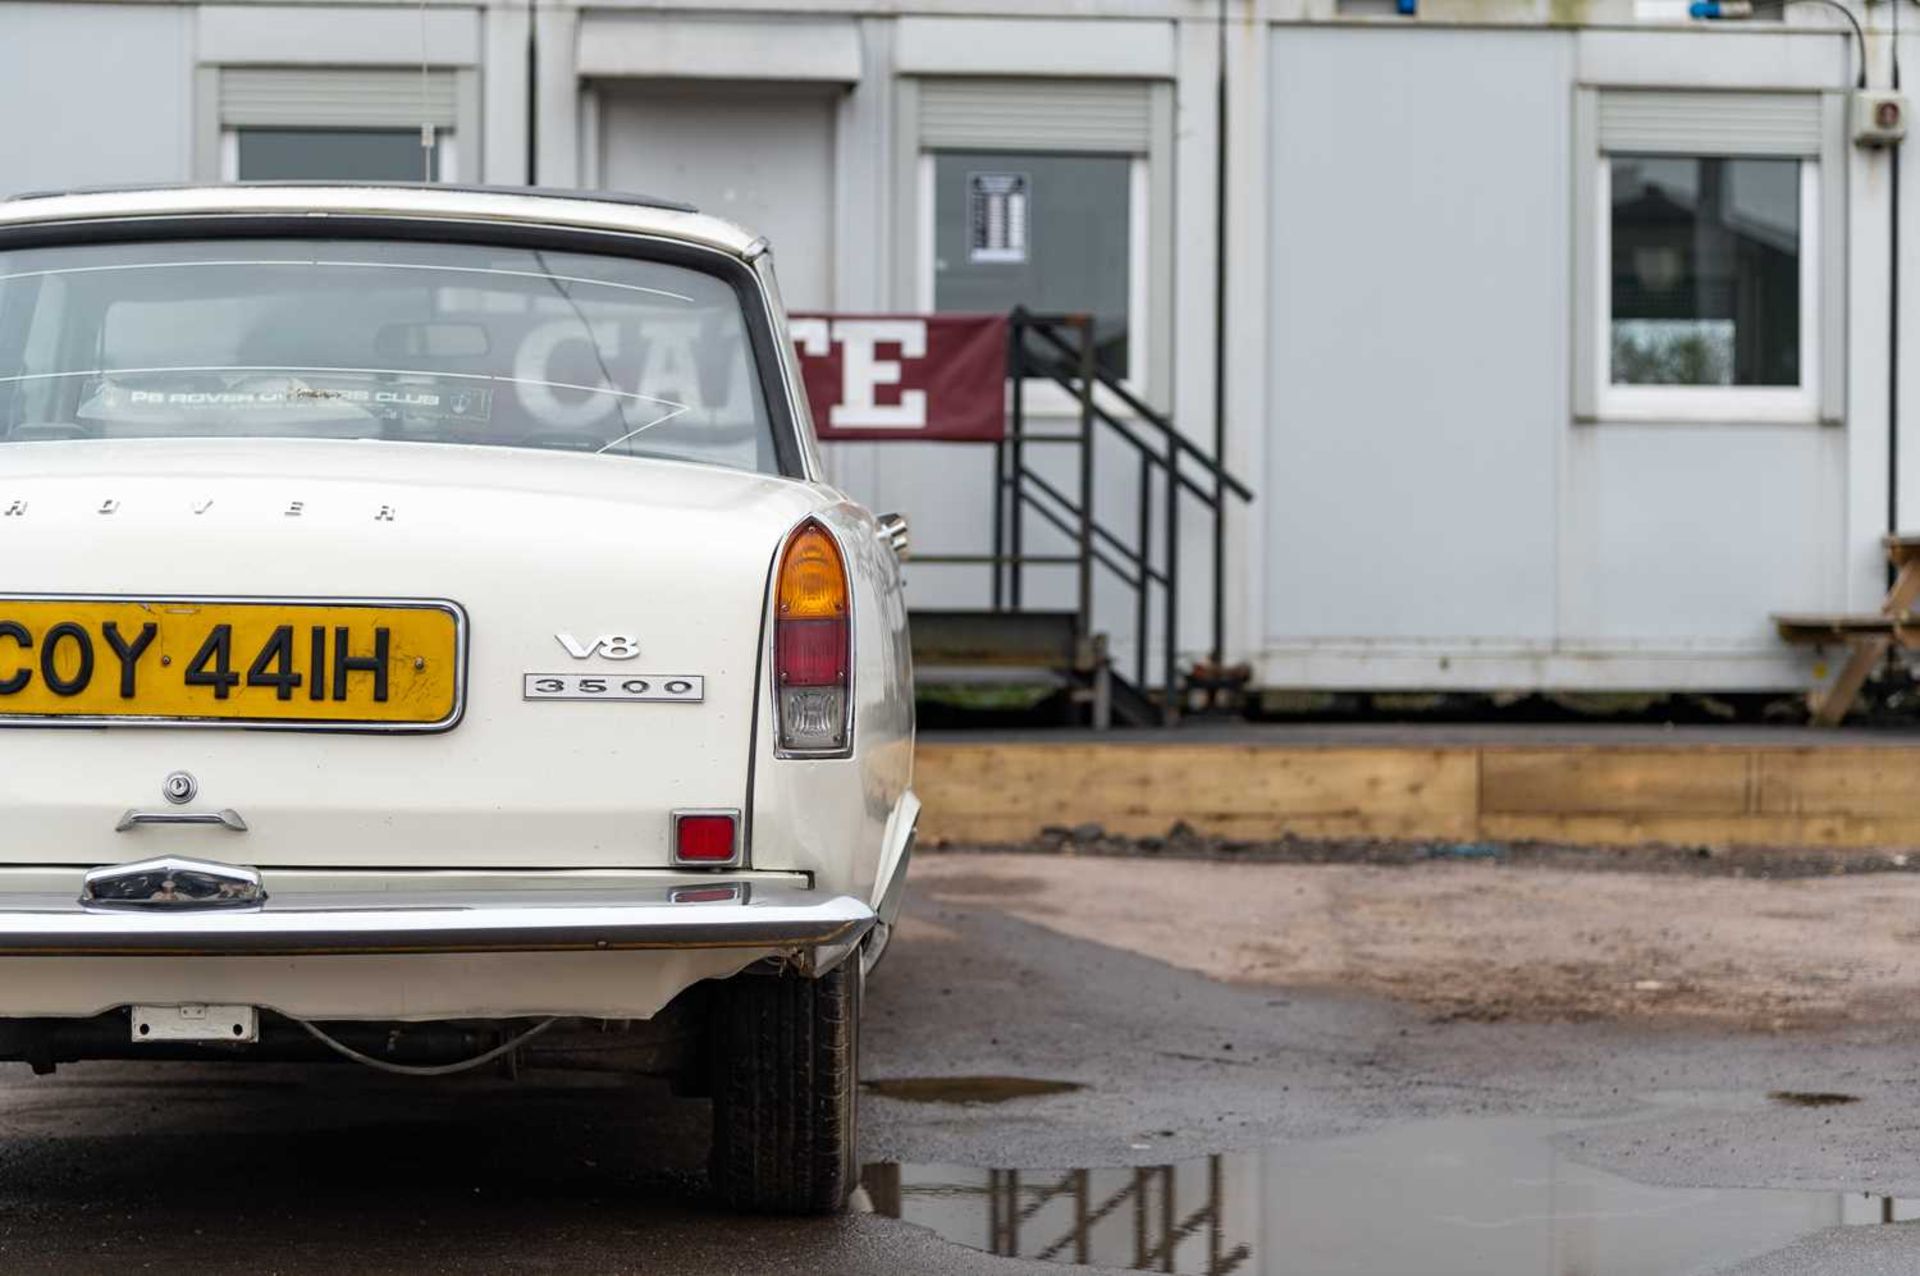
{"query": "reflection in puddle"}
{"type": "Point", "coordinates": [1465, 1196]}
{"type": "Point", "coordinates": [967, 1089]}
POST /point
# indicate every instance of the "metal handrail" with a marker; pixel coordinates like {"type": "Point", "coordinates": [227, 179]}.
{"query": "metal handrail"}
{"type": "Point", "coordinates": [1167, 456]}
{"type": "Point", "coordinates": [1119, 427]}
{"type": "Point", "coordinates": [1042, 325]}
{"type": "Point", "coordinates": [1133, 557]}
{"type": "Point", "coordinates": [1067, 529]}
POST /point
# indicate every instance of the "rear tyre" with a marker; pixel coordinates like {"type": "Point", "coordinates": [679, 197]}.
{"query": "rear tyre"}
{"type": "Point", "coordinates": [785, 1091]}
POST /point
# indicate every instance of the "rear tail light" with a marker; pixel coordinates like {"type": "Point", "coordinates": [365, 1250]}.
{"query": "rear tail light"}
{"type": "Point", "coordinates": [812, 646]}
{"type": "Point", "coordinates": [706, 837]}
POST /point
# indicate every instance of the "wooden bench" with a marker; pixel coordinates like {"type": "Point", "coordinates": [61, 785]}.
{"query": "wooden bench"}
{"type": "Point", "coordinates": [1868, 637]}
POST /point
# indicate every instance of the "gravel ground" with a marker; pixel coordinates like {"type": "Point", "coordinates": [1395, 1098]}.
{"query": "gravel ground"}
{"type": "Point", "coordinates": [1492, 939]}
{"type": "Point", "coordinates": [308, 1170]}
{"type": "Point", "coordinates": [1853, 1251]}
{"type": "Point", "coordinates": [1183, 843]}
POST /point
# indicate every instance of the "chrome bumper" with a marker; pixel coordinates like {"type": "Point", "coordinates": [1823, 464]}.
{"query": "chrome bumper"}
{"type": "Point", "coordinates": [814, 930]}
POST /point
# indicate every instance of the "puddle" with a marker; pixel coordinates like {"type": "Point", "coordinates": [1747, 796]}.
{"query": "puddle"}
{"type": "Point", "coordinates": [967, 1089]}
{"type": "Point", "coordinates": [1460, 1197]}
{"type": "Point", "coordinates": [1811, 1098]}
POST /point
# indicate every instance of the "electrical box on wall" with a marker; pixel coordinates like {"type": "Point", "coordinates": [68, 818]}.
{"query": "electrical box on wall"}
{"type": "Point", "coordinates": [1879, 117]}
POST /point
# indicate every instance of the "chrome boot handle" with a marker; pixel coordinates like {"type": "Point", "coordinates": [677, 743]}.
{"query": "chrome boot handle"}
{"type": "Point", "coordinates": [227, 819]}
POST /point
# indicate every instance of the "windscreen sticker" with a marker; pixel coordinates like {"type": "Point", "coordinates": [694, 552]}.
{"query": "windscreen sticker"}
{"type": "Point", "coordinates": [472, 405]}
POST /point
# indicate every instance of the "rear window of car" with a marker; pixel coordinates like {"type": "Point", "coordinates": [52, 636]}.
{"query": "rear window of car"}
{"type": "Point", "coordinates": [379, 339]}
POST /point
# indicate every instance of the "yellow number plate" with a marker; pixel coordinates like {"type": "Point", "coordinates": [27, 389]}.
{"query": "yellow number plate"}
{"type": "Point", "coordinates": [376, 665]}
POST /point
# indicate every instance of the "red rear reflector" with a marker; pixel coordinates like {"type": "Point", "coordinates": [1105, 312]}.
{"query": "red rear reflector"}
{"type": "Point", "coordinates": [703, 839]}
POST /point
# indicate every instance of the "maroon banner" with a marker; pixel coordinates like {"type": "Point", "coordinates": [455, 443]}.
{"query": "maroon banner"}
{"type": "Point", "coordinates": [873, 377]}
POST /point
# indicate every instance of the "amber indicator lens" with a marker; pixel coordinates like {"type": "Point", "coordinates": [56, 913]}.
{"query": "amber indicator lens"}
{"type": "Point", "coordinates": [813, 584]}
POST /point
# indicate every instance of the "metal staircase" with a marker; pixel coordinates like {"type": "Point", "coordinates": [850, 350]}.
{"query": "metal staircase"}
{"type": "Point", "coordinates": [1142, 559]}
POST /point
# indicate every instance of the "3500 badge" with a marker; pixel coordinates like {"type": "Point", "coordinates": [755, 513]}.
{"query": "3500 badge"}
{"type": "Point", "coordinates": [671, 688]}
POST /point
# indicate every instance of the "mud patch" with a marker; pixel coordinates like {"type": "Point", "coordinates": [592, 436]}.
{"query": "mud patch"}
{"type": "Point", "coordinates": [1812, 1098]}
{"type": "Point", "coordinates": [1481, 941]}
{"type": "Point", "coordinates": [967, 1089]}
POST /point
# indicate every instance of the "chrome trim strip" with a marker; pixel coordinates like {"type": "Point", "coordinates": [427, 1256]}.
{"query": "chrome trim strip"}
{"type": "Point", "coordinates": [876, 947]}
{"type": "Point", "coordinates": [815, 962]}
{"type": "Point", "coordinates": [895, 532]}
{"type": "Point", "coordinates": [173, 882]}
{"type": "Point", "coordinates": [461, 630]}
{"type": "Point", "coordinates": [531, 207]}
{"type": "Point", "coordinates": [226, 818]}
{"type": "Point", "coordinates": [897, 884]}
{"type": "Point", "coordinates": [791, 920]}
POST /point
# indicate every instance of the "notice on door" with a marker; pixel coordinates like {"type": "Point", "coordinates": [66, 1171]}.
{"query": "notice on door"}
{"type": "Point", "coordinates": [997, 218]}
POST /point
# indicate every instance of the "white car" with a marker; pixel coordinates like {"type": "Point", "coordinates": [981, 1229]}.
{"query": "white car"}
{"type": "Point", "coordinates": [426, 637]}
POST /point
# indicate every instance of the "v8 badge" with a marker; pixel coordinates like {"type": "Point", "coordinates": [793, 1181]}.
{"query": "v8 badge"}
{"type": "Point", "coordinates": [606, 646]}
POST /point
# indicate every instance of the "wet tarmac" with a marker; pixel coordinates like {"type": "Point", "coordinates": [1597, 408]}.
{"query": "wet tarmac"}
{"type": "Point", "coordinates": [1261, 1130]}
{"type": "Point", "coordinates": [1460, 1197]}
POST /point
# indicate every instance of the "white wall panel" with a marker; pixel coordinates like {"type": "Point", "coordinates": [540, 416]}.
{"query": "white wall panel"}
{"type": "Point", "coordinates": [1689, 536]}
{"type": "Point", "coordinates": [1419, 333]}
{"type": "Point", "coordinates": [304, 34]}
{"type": "Point", "coordinates": [1711, 55]}
{"type": "Point", "coordinates": [727, 48]}
{"type": "Point", "coordinates": [758, 155]}
{"type": "Point", "coordinates": [506, 96]}
{"type": "Point", "coordinates": [1025, 46]}
{"type": "Point", "coordinates": [94, 95]}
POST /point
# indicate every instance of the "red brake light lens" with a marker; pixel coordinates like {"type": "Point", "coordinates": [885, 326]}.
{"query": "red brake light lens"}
{"type": "Point", "coordinates": [812, 653]}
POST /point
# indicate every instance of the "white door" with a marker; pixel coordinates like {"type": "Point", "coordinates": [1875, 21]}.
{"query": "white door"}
{"type": "Point", "coordinates": [759, 155]}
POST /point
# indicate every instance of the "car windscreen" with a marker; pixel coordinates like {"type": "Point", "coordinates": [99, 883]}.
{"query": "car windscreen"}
{"type": "Point", "coordinates": [348, 338]}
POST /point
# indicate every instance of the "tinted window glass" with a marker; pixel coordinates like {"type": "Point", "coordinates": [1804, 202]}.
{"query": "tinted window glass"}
{"type": "Point", "coordinates": [1706, 271]}
{"type": "Point", "coordinates": [363, 339]}
{"type": "Point", "coordinates": [1048, 232]}
{"type": "Point", "coordinates": [332, 155]}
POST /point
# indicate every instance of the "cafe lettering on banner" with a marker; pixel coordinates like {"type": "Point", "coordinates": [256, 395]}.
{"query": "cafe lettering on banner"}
{"type": "Point", "coordinates": [934, 377]}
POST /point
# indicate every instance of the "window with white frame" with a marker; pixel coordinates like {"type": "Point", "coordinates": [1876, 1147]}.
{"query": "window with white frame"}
{"type": "Point", "coordinates": [1040, 193]}
{"type": "Point", "coordinates": [1710, 262]}
{"type": "Point", "coordinates": [337, 124]}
